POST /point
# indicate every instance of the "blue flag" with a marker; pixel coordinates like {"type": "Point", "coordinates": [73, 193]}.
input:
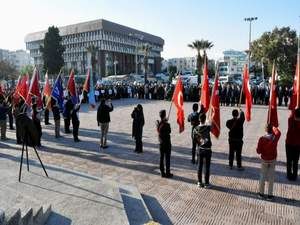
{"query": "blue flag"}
{"type": "Point", "coordinates": [58, 92]}
{"type": "Point", "coordinates": [92, 100]}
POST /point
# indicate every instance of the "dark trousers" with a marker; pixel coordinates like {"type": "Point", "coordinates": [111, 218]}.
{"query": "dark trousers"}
{"type": "Point", "coordinates": [11, 120]}
{"type": "Point", "coordinates": [39, 130]}
{"type": "Point", "coordinates": [67, 125]}
{"type": "Point", "coordinates": [235, 147]}
{"type": "Point", "coordinates": [292, 159]}
{"type": "Point", "coordinates": [165, 157]}
{"type": "Point", "coordinates": [46, 116]}
{"type": "Point", "coordinates": [204, 155]}
{"type": "Point", "coordinates": [138, 144]}
{"type": "Point", "coordinates": [75, 129]}
{"type": "Point", "coordinates": [194, 149]}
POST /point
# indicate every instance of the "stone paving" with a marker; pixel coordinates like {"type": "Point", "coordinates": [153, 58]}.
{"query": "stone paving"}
{"type": "Point", "coordinates": [232, 198]}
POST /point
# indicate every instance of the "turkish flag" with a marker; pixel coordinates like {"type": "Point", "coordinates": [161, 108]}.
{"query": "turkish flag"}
{"type": "Point", "coordinates": [205, 89]}
{"type": "Point", "coordinates": [86, 85]}
{"type": "Point", "coordinates": [215, 109]}
{"type": "Point", "coordinates": [178, 102]}
{"type": "Point", "coordinates": [23, 88]}
{"type": "Point", "coordinates": [295, 98]}
{"type": "Point", "coordinates": [247, 91]}
{"type": "Point", "coordinates": [72, 88]}
{"type": "Point", "coordinates": [34, 90]}
{"type": "Point", "coordinates": [47, 88]}
{"type": "Point", "coordinates": [272, 114]}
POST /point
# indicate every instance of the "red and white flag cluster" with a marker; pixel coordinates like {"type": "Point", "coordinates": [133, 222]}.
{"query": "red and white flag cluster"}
{"type": "Point", "coordinates": [178, 102]}
{"type": "Point", "coordinates": [247, 92]}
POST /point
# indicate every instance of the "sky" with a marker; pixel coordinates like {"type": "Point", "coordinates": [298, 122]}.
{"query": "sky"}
{"type": "Point", "coordinates": [178, 22]}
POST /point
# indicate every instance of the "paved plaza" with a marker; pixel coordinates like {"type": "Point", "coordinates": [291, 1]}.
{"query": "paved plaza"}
{"type": "Point", "coordinates": [232, 198]}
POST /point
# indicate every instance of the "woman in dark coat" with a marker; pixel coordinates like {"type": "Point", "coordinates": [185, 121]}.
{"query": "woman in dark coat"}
{"type": "Point", "coordinates": [137, 127]}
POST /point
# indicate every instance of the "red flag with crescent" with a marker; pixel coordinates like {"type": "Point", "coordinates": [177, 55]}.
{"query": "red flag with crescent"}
{"type": "Point", "coordinates": [178, 102]}
{"type": "Point", "coordinates": [247, 91]}
{"type": "Point", "coordinates": [205, 89]}
{"type": "Point", "coordinates": [272, 114]}
{"type": "Point", "coordinates": [295, 98]}
{"type": "Point", "coordinates": [215, 109]}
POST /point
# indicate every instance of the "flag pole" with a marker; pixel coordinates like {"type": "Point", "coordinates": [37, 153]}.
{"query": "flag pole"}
{"type": "Point", "coordinates": [271, 90]}
{"type": "Point", "coordinates": [298, 73]}
{"type": "Point", "coordinates": [213, 90]}
{"type": "Point", "coordinates": [172, 99]}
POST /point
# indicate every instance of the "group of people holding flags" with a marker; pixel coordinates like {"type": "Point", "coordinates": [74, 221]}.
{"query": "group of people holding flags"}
{"type": "Point", "coordinates": [29, 99]}
{"type": "Point", "coordinates": [207, 121]}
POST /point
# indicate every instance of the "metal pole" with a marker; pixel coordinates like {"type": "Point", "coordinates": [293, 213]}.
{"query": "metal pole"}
{"type": "Point", "coordinates": [262, 69]}
{"type": "Point", "coordinates": [136, 59]}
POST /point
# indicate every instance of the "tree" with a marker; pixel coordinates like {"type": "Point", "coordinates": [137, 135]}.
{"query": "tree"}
{"type": "Point", "coordinates": [202, 45]}
{"type": "Point", "coordinates": [280, 46]}
{"type": "Point", "coordinates": [52, 51]}
{"type": "Point", "coordinates": [7, 71]}
{"type": "Point", "coordinates": [172, 71]}
{"type": "Point", "coordinates": [26, 69]}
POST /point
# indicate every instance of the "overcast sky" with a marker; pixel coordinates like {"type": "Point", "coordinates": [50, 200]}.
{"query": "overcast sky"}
{"type": "Point", "coordinates": [178, 22]}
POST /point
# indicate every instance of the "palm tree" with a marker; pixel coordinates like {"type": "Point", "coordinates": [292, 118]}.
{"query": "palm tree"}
{"type": "Point", "coordinates": [200, 45]}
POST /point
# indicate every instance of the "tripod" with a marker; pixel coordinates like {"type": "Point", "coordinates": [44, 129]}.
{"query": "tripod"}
{"type": "Point", "coordinates": [25, 148]}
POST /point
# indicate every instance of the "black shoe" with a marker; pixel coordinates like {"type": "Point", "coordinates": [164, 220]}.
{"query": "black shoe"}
{"type": "Point", "coordinates": [207, 185]}
{"type": "Point", "coordinates": [241, 168]}
{"type": "Point", "coordinates": [170, 175]}
{"type": "Point", "coordinates": [11, 128]}
{"type": "Point", "coordinates": [77, 140]}
{"type": "Point", "coordinates": [270, 197]}
{"type": "Point", "coordinates": [47, 123]}
{"type": "Point", "coordinates": [261, 196]}
{"type": "Point", "coordinates": [105, 146]}
{"type": "Point", "coordinates": [163, 175]}
{"type": "Point", "coordinates": [200, 184]}
{"type": "Point", "coordinates": [193, 161]}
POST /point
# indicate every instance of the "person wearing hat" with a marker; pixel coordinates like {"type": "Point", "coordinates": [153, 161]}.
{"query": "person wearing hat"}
{"type": "Point", "coordinates": [164, 131]}
{"type": "Point", "coordinates": [137, 127]}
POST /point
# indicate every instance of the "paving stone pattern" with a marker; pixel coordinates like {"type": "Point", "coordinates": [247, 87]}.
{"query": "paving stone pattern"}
{"type": "Point", "coordinates": [232, 198]}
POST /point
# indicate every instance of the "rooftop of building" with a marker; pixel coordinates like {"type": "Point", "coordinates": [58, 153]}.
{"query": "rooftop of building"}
{"type": "Point", "coordinates": [93, 25]}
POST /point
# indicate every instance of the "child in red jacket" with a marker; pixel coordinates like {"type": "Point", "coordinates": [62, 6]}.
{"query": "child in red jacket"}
{"type": "Point", "coordinates": [267, 148]}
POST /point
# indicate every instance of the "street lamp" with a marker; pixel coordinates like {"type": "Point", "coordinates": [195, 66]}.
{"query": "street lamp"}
{"type": "Point", "coordinates": [140, 37]}
{"type": "Point", "coordinates": [250, 19]}
{"type": "Point", "coordinates": [115, 66]}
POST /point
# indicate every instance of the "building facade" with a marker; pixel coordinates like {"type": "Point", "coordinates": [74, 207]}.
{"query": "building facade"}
{"type": "Point", "coordinates": [183, 64]}
{"type": "Point", "coordinates": [232, 62]}
{"type": "Point", "coordinates": [118, 48]}
{"type": "Point", "coordinates": [18, 58]}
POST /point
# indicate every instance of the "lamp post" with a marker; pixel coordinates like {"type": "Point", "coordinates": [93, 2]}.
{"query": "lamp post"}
{"type": "Point", "coordinates": [250, 20]}
{"type": "Point", "coordinates": [262, 69]}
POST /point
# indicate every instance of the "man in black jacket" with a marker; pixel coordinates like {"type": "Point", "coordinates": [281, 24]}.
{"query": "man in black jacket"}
{"type": "Point", "coordinates": [235, 126]}
{"type": "Point", "coordinates": [75, 121]}
{"type": "Point", "coordinates": [164, 131]}
{"type": "Point", "coordinates": [193, 118]}
{"type": "Point", "coordinates": [68, 107]}
{"type": "Point", "coordinates": [103, 119]}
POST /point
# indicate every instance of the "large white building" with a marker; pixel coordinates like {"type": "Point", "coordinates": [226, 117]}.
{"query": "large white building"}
{"type": "Point", "coordinates": [232, 62]}
{"type": "Point", "coordinates": [118, 47]}
{"type": "Point", "coordinates": [183, 64]}
{"type": "Point", "coordinates": [17, 58]}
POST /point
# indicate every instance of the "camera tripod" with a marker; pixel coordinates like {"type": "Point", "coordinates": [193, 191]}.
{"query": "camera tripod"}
{"type": "Point", "coordinates": [25, 148]}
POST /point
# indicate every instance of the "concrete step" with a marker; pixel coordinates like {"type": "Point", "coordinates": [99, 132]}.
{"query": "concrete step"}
{"type": "Point", "coordinates": [31, 217]}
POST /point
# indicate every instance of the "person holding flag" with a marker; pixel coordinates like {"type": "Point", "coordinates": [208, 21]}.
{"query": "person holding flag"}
{"type": "Point", "coordinates": [235, 137]}
{"type": "Point", "coordinates": [292, 142]}
{"type": "Point", "coordinates": [164, 131]}
{"type": "Point", "coordinates": [46, 99]}
{"type": "Point", "coordinates": [193, 118]}
{"type": "Point", "coordinates": [57, 98]}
